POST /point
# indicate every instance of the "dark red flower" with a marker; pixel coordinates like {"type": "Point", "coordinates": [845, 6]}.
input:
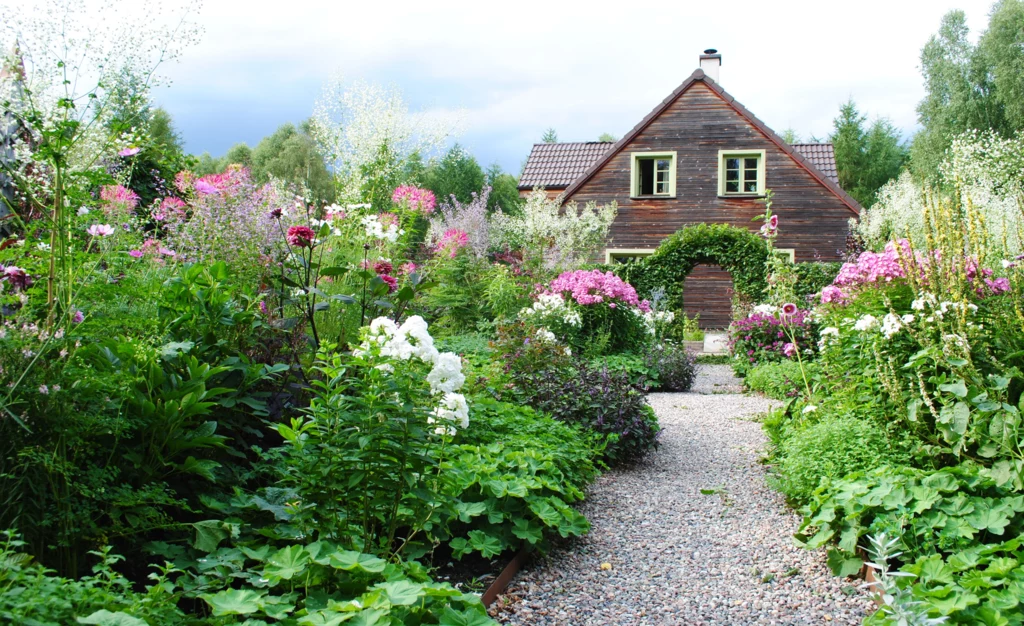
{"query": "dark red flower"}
{"type": "Point", "coordinates": [391, 281]}
{"type": "Point", "coordinates": [301, 236]}
{"type": "Point", "coordinates": [383, 267]}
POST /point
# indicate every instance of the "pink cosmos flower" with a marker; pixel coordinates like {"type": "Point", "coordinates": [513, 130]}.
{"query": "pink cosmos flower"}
{"type": "Point", "coordinates": [127, 152]}
{"type": "Point", "coordinates": [301, 236]}
{"type": "Point", "coordinates": [100, 230]}
{"type": "Point", "coordinates": [206, 188]}
{"type": "Point", "coordinates": [391, 282]}
{"type": "Point", "coordinates": [138, 254]}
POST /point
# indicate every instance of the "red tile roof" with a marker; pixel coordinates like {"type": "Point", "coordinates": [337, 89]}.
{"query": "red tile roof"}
{"type": "Point", "coordinates": [821, 156]}
{"type": "Point", "coordinates": [556, 165]}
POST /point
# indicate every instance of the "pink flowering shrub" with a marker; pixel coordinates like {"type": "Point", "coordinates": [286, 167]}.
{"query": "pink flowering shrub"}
{"type": "Point", "coordinates": [415, 199]}
{"type": "Point", "coordinates": [600, 314]}
{"type": "Point", "coordinates": [763, 337]}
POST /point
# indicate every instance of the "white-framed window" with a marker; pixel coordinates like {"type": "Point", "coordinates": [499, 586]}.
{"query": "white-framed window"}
{"type": "Point", "coordinates": [741, 172]}
{"type": "Point", "coordinates": [626, 255]}
{"type": "Point", "coordinates": [787, 253]}
{"type": "Point", "coordinates": [653, 174]}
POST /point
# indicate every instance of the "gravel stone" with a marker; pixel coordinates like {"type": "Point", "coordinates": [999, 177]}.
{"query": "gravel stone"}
{"type": "Point", "coordinates": [682, 556]}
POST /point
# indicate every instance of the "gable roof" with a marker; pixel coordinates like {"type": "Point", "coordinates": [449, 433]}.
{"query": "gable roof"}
{"type": "Point", "coordinates": [558, 164]}
{"type": "Point", "coordinates": [698, 75]}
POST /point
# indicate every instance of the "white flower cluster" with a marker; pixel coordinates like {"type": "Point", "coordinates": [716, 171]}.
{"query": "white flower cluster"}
{"type": "Point", "coordinates": [766, 309]}
{"type": "Point", "coordinates": [891, 324]}
{"type": "Point", "coordinates": [829, 335]}
{"type": "Point", "coordinates": [551, 305]}
{"type": "Point", "coordinates": [865, 323]}
{"type": "Point", "coordinates": [376, 230]}
{"type": "Point", "coordinates": [653, 319]}
{"type": "Point", "coordinates": [412, 339]}
{"type": "Point", "coordinates": [938, 309]}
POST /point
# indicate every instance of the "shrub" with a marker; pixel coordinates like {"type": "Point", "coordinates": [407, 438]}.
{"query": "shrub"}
{"type": "Point", "coordinates": [766, 335]}
{"type": "Point", "coordinates": [594, 312]}
{"type": "Point", "coordinates": [778, 380]}
{"type": "Point", "coordinates": [676, 368]}
{"type": "Point", "coordinates": [640, 370]}
{"type": "Point", "coordinates": [831, 448]}
{"type": "Point", "coordinates": [813, 277]}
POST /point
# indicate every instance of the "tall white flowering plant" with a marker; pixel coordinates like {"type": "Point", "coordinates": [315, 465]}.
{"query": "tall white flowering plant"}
{"type": "Point", "coordinates": [366, 457]}
{"type": "Point", "coordinates": [551, 235]}
{"type": "Point", "coordinates": [59, 91]}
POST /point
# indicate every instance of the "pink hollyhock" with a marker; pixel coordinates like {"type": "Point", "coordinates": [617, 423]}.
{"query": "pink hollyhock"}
{"type": "Point", "coordinates": [301, 236]}
{"type": "Point", "coordinates": [391, 282]}
{"type": "Point", "coordinates": [383, 267]}
{"type": "Point", "coordinates": [451, 242]}
{"type": "Point", "coordinates": [415, 199]}
{"type": "Point", "coordinates": [789, 309]}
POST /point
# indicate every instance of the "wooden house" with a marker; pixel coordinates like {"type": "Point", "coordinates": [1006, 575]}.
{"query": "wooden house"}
{"type": "Point", "coordinates": [701, 156]}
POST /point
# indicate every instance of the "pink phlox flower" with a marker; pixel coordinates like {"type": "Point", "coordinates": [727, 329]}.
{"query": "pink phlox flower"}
{"type": "Point", "coordinates": [833, 294]}
{"type": "Point", "coordinates": [588, 287]}
{"type": "Point", "coordinates": [645, 306]}
{"type": "Point", "coordinates": [415, 198]}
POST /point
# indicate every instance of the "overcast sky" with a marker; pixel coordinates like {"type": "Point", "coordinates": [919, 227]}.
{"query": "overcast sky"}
{"type": "Point", "coordinates": [583, 68]}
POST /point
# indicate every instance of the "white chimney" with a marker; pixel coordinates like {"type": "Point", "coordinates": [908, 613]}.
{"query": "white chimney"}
{"type": "Point", "coordinates": [711, 63]}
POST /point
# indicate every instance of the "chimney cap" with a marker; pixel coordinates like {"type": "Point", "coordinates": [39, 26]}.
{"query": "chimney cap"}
{"type": "Point", "coordinates": [711, 51]}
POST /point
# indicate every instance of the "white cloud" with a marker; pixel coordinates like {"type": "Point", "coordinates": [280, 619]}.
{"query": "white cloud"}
{"type": "Point", "coordinates": [581, 67]}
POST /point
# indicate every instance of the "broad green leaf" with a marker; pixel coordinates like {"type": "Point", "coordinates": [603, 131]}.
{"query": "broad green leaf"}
{"type": "Point", "coordinates": [547, 513]}
{"type": "Point", "coordinates": [469, 510]}
{"type": "Point", "coordinates": [528, 530]}
{"type": "Point", "coordinates": [843, 564]}
{"type": "Point", "coordinates": [209, 534]}
{"type": "Point", "coordinates": [575, 524]}
{"type": "Point", "coordinates": [286, 563]}
{"type": "Point", "coordinates": [467, 617]}
{"type": "Point", "coordinates": [990, 518]}
{"type": "Point", "coordinates": [234, 602]}
{"type": "Point", "coordinates": [402, 592]}
{"type": "Point", "coordinates": [487, 545]}
{"type": "Point", "coordinates": [958, 388]}
{"type": "Point", "coordinates": [350, 560]}
{"type": "Point", "coordinates": [325, 618]}
{"type": "Point", "coordinates": [371, 617]}
{"type": "Point", "coordinates": [104, 617]}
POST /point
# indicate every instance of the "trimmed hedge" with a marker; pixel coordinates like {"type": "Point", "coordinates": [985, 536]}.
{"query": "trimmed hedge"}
{"type": "Point", "coordinates": [737, 250]}
{"type": "Point", "coordinates": [813, 276]}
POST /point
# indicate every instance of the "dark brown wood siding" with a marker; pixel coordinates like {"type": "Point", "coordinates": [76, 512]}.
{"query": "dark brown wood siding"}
{"type": "Point", "coordinates": [708, 291]}
{"type": "Point", "coordinates": [812, 219]}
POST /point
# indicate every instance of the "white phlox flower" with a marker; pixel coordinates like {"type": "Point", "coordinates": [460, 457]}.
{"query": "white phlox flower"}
{"type": "Point", "coordinates": [446, 375]}
{"type": "Point", "coordinates": [453, 408]}
{"type": "Point", "coordinates": [891, 324]}
{"type": "Point", "coordinates": [866, 323]}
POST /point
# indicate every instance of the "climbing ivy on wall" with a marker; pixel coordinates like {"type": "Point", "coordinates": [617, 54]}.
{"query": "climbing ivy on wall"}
{"type": "Point", "coordinates": [739, 251]}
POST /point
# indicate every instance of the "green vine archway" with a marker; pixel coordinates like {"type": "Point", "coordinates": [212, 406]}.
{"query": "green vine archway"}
{"type": "Point", "coordinates": [739, 251]}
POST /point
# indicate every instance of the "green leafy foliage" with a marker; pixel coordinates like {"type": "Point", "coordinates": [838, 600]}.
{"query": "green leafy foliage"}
{"type": "Point", "coordinates": [780, 380]}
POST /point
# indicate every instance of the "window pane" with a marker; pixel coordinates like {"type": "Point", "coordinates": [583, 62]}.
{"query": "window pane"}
{"type": "Point", "coordinates": [663, 188]}
{"type": "Point", "coordinates": [750, 162]}
{"type": "Point", "coordinates": [645, 186]}
{"type": "Point", "coordinates": [749, 174]}
{"type": "Point", "coordinates": [732, 174]}
{"type": "Point", "coordinates": [662, 176]}
{"type": "Point", "coordinates": [732, 186]}
{"type": "Point", "coordinates": [750, 187]}
{"type": "Point", "coordinates": [732, 164]}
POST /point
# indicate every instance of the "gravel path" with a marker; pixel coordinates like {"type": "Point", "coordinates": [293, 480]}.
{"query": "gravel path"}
{"type": "Point", "coordinates": [680, 556]}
